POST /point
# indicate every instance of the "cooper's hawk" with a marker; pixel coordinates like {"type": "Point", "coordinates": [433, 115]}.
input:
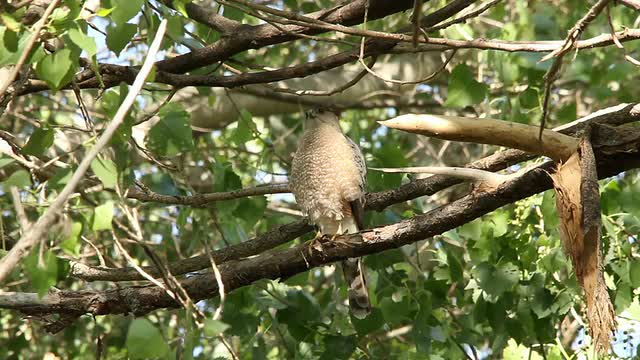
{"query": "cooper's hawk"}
{"type": "Point", "coordinates": [328, 181]}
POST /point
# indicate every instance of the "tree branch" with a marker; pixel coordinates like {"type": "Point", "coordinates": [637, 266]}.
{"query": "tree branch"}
{"type": "Point", "coordinates": [487, 131]}
{"type": "Point", "coordinates": [210, 18]}
{"type": "Point", "coordinates": [146, 195]}
{"type": "Point", "coordinates": [282, 264]}
{"type": "Point", "coordinates": [112, 74]}
{"type": "Point", "coordinates": [378, 201]}
{"type": "Point", "coordinates": [266, 241]}
{"type": "Point", "coordinates": [266, 34]}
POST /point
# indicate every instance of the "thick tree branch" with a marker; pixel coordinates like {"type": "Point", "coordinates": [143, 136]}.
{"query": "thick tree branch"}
{"type": "Point", "coordinates": [112, 74]}
{"type": "Point", "coordinates": [615, 115]}
{"type": "Point", "coordinates": [275, 264]}
{"type": "Point", "coordinates": [210, 18]}
{"type": "Point", "coordinates": [266, 241]}
{"type": "Point", "coordinates": [511, 134]}
{"type": "Point", "coordinates": [263, 35]}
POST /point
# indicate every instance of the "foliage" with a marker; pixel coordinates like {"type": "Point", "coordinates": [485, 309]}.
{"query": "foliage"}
{"type": "Point", "coordinates": [497, 287]}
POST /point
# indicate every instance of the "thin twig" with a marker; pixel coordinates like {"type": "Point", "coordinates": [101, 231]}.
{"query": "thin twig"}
{"type": "Point", "coordinates": [133, 264]}
{"type": "Point", "coordinates": [20, 213]}
{"type": "Point", "coordinates": [155, 111]}
{"type": "Point", "coordinates": [492, 179]}
{"type": "Point", "coordinates": [218, 276]}
{"type": "Point", "coordinates": [410, 82]}
{"type": "Point", "coordinates": [336, 90]}
{"type": "Point", "coordinates": [415, 20]}
{"type": "Point", "coordinates": [463, 18]}
{"type": "Point", "coordinates": [569, 43]}
{"type": "Point", "coordinates": [617, 42]}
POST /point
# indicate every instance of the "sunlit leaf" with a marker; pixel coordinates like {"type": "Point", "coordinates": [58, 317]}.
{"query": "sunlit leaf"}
{"type": "Point", "coordinates": [102, 217]}
{"type": "Point", "coordinates": [464, 90]}
{"type": "Point", "coordinates": [57, 68]}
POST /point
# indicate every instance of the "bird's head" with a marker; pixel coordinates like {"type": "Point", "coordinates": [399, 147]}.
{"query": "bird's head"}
{"type": "Point", "coordinates": [321, 116]}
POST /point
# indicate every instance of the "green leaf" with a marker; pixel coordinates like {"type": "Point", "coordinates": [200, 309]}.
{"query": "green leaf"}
{"type": "Point", "coordinates": [172, 134]}
{"type": "Point", "coordinates": [180, 6]}
{"type": "Point", "coordinates": [251, 210]}
{"type": "Point", "coordinates": [371, 323]}
{"type": "Point", "coordinates": [106, 171]}
{"type": "Point", "coordinates": [10, 22]}
{"type": "Point", "coordinates": [102, 216]}
{"type": "Point", "coordinates": [214, 327]}
{"type": "Point", "coordinates": [496, 280]}
{"type": "Point", "coordinates": [224, 178]}
{"type": "Point", "coordinates": [10, 51]}
{"type": "Point", "coordinates": [39, 141]}
{"type": "Point", "coordinates": [455, 267]}
{"type": "Point", "coordinates": [634, 310]}
{"type": "Point", "coordinates": [233, 13]}
{"type": "Point", "coordinates": [634, 273]}
{"type": "Point", "coordinates": [119, 36]}
{"type": "Point", "coordinates": [394, 312]}
{"type": "Point", "coordinates": [104, 12]}
{"type": "Point", "coordinates": [19, 179]}
{"type": "Point", "coordinates": [144, 340]}
{"type": "Point", "coordinates": [529, 98]}
{"type": "Point", "coordinates": [463, 89]}
{"type": "Point", "coordinates": [500, 221]}
{"type": "Point", "coordinates": [514, 351]}
{"type": "Point", "coordinates": [338, 347]}
{"type": "Point", "coordinates": [71, 245]}
{"type": "Point", "coordinates": [42, 275]}
{"type": "Point", "coordinates": [10, 40]}
{"type": "Point", "coordinates": [57, 69]}
{"type": "Point", "coordinates": [243, 132]}
{"type": "Point", "coordinates": [4, 161]}
{"type": "Point", "coordinates": [549, 214]}
{"type": "Point", "coordinates": [124, 10]}
{"type": "Point", "coordinates": [60, 178]}
{"type": "Point", "coordinates": [83, 41]}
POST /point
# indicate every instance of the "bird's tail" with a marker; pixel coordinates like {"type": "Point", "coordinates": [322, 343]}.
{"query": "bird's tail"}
{"type": "Point", "coordinates": [354, 275]}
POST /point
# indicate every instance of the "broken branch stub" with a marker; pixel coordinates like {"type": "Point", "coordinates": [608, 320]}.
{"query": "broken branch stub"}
{"type": "Point", "coordinates": [487, 131]}
{"type": "Point", "coordinates": [578, 206]}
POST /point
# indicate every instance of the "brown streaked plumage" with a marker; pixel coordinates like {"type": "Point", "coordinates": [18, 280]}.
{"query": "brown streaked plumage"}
{"type": "Point", "coordinates": [328, 181]}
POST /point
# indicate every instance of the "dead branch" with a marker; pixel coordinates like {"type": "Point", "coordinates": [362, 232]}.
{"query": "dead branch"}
{"type": "Point", "coordinates": [487, 131]}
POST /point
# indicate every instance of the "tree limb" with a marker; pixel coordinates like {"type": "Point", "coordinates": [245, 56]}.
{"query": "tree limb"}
{"type": "Point", "coordinates": [146, 195]}
{"type": "Point", "coordinates": [487, 131]}
{"type": "Point", "coordinates": [113, 74]}
{"type": "Point", "coordinates": [378, 201]}
{"type": "Point", "coordinates": [282, 264]}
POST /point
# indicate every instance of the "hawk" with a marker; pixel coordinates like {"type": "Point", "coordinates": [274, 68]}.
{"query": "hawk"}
{"type": "Point", "coordinates": [328, 181]}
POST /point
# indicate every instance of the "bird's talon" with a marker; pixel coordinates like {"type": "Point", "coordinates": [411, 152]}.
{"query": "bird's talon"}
{"type": "Point", "coordinates": [316, 243]}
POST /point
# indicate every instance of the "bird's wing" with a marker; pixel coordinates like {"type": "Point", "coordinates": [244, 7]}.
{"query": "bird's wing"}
{"type": "Point", "coordinates": [357, 205]}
